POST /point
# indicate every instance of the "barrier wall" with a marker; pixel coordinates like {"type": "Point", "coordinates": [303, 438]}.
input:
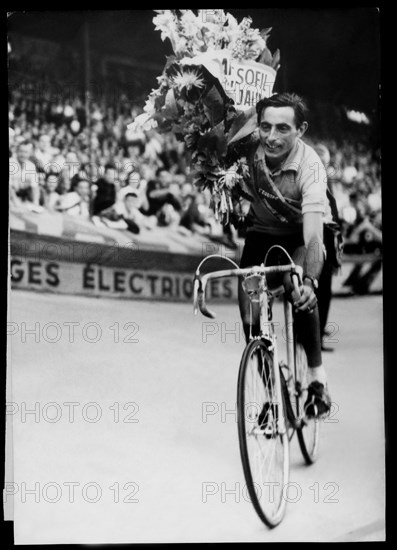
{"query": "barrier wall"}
{"type": "Point", "coordinates": [61, 254]}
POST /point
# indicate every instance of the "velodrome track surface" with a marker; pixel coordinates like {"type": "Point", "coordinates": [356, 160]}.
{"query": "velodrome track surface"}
{"type": "Point", "coordinates": [137, 441]}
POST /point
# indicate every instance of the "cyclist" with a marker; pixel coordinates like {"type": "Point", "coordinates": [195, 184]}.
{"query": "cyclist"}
{"type": "Point", "coordinates": [289, 207]}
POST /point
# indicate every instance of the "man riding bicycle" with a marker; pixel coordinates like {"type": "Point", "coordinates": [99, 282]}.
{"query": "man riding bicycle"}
{"type": "Point", "coordinates": [290, 208]}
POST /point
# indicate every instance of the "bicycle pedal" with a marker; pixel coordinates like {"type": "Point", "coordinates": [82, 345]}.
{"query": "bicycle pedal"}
{"type": "Point", "coordinates": [269, 432]}
{"type": "Point", "coordinates": [267, 420]}
{"type": "Point", "coordinates": [315, 411]}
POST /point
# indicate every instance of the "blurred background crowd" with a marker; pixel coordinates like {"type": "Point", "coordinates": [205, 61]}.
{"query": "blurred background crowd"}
{"type": "Point", "coordinates": [71, 155]}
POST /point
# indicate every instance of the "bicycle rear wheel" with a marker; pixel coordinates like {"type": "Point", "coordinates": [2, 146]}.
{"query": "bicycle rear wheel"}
{"type": "Point", "coordinates": [309, 432]}
{"type": "Point", "coordinates": [263, 437]}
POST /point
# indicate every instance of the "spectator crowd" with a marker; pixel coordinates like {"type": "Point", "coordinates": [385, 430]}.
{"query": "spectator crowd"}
{"type": "Point", "coordinates": [62, 160]}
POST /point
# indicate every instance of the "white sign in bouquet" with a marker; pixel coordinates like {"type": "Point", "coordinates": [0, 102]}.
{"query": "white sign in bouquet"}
{"type": "Point", "coordinates": [207, 96]}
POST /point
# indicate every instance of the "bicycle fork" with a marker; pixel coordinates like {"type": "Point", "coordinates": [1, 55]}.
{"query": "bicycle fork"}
{"type": "Point", "coordinates": [256, 290]}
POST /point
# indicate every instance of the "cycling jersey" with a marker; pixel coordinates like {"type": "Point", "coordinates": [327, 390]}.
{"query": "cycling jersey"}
{"type": "Point", "coordinates": [281, 197]}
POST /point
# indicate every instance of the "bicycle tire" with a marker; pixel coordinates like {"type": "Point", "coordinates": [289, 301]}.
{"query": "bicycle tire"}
{"type": "Point", "coordinates": [268, 501]}
{"type": "Point", "coordinates": [309, 433]}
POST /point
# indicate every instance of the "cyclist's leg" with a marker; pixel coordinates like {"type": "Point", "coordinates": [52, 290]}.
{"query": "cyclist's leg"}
{"type": "Point", "coordinates": [324, 295]}
{"type": "Point", "coordinates": [318, 401]}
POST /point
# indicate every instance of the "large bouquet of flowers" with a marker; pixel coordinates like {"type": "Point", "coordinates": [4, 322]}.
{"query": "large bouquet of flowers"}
{"type": "Point", "coordinates": [207, 95]}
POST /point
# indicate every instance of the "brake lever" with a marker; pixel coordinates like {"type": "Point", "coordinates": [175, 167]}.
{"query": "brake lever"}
{"type": "Point", "coordinates": [199, 299]}
{"type": "Point", "coordinates": [203, 307]}
{"type": "Point", "coordinates": [296, 280]}
{"type": "Point", "coordinates": [196, 285]}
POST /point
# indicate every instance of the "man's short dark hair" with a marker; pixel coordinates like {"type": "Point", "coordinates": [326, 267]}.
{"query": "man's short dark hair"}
{"type": "Point", "coordinates": [110, 166]}
{"type": "Point", "coordinates": [137, 143]}
{"type": "Point", "coordinates": [23, 143]}
{"type": "Point", "coordinates": [49, 174]}
{"type": "Point", "coordinates": [86, 180]}
{"type": "Point", "coordinates": [284, 100]}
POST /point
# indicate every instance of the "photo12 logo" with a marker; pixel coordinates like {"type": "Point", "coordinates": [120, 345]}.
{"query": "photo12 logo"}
{"type": "Point", "coordinates": [291, 492]}
{"type": "Point", "coordinates": [212, 412]}
{"type": "Point", "coordinates": [73, 332]}
{"type": "Point", "coordinates": [72, 411]}
{"type": "Point", "coordinates": [71, 492]}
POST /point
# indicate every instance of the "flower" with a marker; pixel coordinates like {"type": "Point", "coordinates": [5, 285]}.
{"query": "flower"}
{"type": "Point", "coordinates": [142, 122]}
{"type": "Point", "coordinates": [188, 79]}
{"type": "Point", "coordinates": [149, 106]}
{"type": "Point", "coordinates": [191, 25]}
{"type": "Point", "coordinates": [190, 101]}
{"type": "Point", "coordinates": [165, 22]}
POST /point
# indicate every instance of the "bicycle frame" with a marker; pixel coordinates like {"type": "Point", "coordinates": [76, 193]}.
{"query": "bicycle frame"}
{"type": "Point", "coordinates": [255, 286]}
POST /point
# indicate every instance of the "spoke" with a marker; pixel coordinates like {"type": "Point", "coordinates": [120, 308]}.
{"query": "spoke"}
{"type": "Point", "coordinates": [254, 375]}
{"type": "Point", "coordinates": [266, 454]}
{"type": "Point", "coordinates": [265, 461]}
{"type": "Point", "coordinates": [269, 460]}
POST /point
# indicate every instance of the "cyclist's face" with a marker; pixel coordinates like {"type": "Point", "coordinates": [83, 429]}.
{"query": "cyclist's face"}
{"type": "Point", "coordinates": [278, 132]}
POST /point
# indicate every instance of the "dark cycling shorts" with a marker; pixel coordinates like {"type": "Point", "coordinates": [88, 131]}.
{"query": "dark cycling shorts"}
{"type": "Point", "coordinates": [254, 252]}
{"type": "Point", "coordinates": [257, 244]}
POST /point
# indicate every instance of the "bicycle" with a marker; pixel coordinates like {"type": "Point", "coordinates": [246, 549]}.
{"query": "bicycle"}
{"type": "Point", "coordinates": [270, 394]}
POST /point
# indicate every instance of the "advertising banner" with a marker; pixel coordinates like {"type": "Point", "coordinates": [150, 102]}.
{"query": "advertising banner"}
{"type": "Point", "coordinates": [105, 281]}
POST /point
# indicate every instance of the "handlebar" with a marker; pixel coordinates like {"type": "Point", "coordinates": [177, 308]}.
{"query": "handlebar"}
{"type": "Point", "coordinates": [200, 282]}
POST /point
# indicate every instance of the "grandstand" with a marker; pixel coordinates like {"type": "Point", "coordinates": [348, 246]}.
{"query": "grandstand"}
{"type": "Point", "coordinates": [73, 90]}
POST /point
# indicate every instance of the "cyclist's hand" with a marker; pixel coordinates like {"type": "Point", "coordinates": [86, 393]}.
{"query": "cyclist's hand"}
{"type": "Point", "coordinates": [307, 300]}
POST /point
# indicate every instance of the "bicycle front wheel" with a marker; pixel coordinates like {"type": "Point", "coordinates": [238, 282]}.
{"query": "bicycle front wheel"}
{"type": "Point", "coordinates": [309, 432]}
{"type": "Point", "coordinates": [263, 437]}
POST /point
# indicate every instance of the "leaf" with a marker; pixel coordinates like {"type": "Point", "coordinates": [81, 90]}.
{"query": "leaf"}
{"type": "Point", "coordinates": [244, 124]}
{"type": "Point", "coordinates": [276, 59]}
{"type": "Point", "coordinates": [213, 106]}
{"type": "Point", "coordinates": [170, 108]}
{"type": "Point", "coordinates": [177, 128]}
{"type": "Point", "coordinates": [265, 33]}
{"type": "Point", "coordinates": [164, 126]}
{"type": "Point", "coordinates": [159, 102]}
{"type": "Point", "coordinates": [265, 57]}
{"type": "Point", "coordinates": [212, 142]}
{"type": "Point", "coordinates": [170, 60]}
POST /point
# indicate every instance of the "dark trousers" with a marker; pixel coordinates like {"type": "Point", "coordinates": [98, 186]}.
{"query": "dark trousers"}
{"type": "Point", "coordinates": [324, 295]}
{"type": "Point", "coordinates": [307, 324]}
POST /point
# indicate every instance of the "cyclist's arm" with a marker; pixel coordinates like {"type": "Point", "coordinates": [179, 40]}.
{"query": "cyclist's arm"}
{"type": "Point", "coordinates": [313, 238]}
{"type": "Point", "coordinates": [313, 259]}
{"type": "Point", "coordinates": [313, 185]}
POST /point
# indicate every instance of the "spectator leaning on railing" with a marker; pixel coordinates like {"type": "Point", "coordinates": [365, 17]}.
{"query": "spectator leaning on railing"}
{"type": "Point", "coordinates": [126, 214]}
{"type": "Point", "coordinates": [137, 184]}
{"type": "Point", "coordinates": [77, 202]}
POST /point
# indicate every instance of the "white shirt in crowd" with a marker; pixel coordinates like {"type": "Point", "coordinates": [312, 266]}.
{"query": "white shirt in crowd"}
{"type": "Point", "coordinates": [73, 204]}
{"type": "Point", "coordinates": [22, 175]}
